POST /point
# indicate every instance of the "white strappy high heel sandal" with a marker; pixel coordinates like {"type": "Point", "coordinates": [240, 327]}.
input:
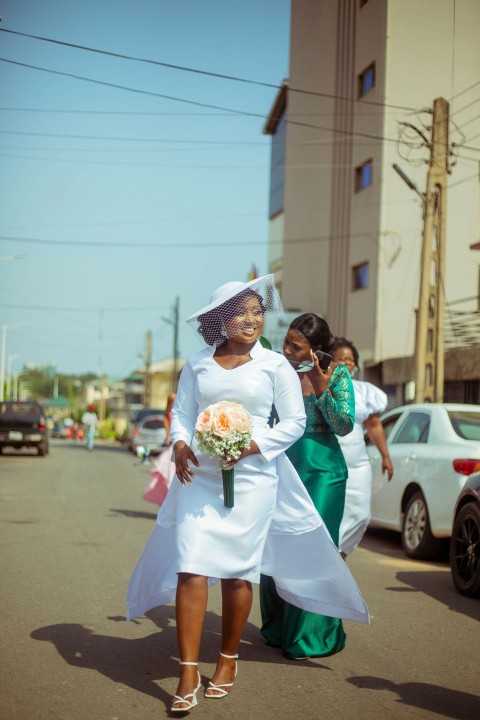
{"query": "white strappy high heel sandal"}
{"type": "Point", "coordinates": [216, 692]}
{"type": "Point", "coordinates": [190, 699]}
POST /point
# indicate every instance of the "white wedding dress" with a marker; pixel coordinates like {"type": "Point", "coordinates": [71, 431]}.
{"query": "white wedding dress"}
{"type": "Point", "coordinates": [273, 527]}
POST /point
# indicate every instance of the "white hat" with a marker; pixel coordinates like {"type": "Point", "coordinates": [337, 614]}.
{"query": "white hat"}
{"type": "Point", "coordinates": [229, 290]}
{"type": "Point", "coordinates": [212, 322]}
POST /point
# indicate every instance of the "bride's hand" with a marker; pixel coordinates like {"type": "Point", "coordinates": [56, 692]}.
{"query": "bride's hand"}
{"type": "Point", "coordinates": [253, 449]}
{"type": "Point", "coordinates": [184, 453]}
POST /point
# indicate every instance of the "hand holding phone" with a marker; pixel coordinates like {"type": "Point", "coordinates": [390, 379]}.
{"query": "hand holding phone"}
{"type": "Point", "coordinates": [324, 359]}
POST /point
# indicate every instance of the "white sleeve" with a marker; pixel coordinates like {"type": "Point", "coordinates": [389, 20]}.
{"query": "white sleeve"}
{"type": "Point", "coordinates": [185, 408]}
{"type": "Point", "coordinates": [375, 399]}
{"type": "Point", "coordinates": [290, 408]}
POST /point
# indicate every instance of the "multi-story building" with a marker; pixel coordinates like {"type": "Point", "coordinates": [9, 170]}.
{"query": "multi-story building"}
{"type": "Point", "coordinates": [345, 229]}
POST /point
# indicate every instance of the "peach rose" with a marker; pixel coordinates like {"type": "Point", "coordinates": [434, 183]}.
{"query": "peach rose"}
{"type": "Point", "coordinates": [239, 418]}
{"type": "Point", "coordinates": [221, 424]}
{"type": "Point", "coordinates": [204, 421]}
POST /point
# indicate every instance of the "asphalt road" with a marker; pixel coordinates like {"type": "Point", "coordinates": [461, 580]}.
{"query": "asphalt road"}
{"type": "Point", "coordinates": [71, 528]}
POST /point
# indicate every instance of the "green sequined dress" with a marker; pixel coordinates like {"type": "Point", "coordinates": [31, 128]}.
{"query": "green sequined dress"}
{"type": "Point", "coordinates": [319, 461]}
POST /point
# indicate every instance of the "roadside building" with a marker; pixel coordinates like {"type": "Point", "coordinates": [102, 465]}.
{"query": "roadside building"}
{"type": "Point", "coordinates": [345, 232]}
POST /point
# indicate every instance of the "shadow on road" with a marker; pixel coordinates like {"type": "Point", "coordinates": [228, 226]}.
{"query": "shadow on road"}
{"type": "Point", "coordinates": [141, 662]}
{"type": "Point", "coordinates": [389, 543]}
{"type": "Point", "coordinates": [134, 514]}
{"type": "Point", "coordinates": [439, 586]}
{"type": "Point", "coordinates": [432, 698]}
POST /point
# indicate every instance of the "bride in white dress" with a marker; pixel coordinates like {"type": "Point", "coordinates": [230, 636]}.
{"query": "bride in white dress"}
{"type": "Point", "coordinates": [273, 527]}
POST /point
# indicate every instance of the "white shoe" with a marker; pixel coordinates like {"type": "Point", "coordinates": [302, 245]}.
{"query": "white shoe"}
{"type": "Point", "coordinates": [185, 701]}
{"type": "Point", "coordinates": [216, 692]}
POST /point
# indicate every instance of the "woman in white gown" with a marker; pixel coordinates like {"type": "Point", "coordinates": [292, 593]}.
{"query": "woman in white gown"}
{"type": "Point", "coordinates": [273, 527]}
{"type": "Point", "coordinates": [369, 402]}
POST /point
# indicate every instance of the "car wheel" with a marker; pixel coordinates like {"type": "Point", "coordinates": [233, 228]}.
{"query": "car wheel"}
{"type": "Point", "coordinates": [41, 450]}
{"type": "Point", "coordinates": [465, 550]}
{"type": "Point", "coordinates": [417, 539]}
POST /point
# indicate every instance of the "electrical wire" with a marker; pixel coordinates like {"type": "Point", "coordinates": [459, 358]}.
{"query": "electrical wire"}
{"type": "Point", "coordinates": [70, 111]}
{"type": "Point", "coordinates": [134, 244]}
{"type": "Point", "coordinates": [202, 72]}
{"type": "Point", "coordinates": [81, 308]}
{"type": "Point", "coordinates": [235, 111]}
{"type": "Point", "coordinates": [462, 92]}
{"type": "Point", "coordinates": [463, 180]}
{"type": "Point", "coordinates": [246, 113]}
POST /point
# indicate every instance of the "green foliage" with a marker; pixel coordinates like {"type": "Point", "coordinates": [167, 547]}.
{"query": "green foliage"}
{"type": "Point", "coordinates": [106, 430]}
{"type": "Point", "coordinates": [43, 385]}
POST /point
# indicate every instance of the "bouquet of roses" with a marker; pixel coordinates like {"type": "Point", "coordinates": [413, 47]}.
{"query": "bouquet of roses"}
{"type": "Point", "coordinates": [223, 430]}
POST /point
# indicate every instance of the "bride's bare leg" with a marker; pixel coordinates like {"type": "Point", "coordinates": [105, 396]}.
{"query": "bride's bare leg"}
{"type": "Point", "coordinates": [237, 597]}
{"type": "Point", "coordinates": [191, 604]}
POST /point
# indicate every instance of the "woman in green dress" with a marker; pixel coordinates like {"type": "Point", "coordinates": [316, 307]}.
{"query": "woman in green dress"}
{"type": "Point", "coordinates": [330, 408]}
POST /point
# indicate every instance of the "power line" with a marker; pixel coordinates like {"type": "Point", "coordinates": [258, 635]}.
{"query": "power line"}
{"type": "Point", "coordinates": [133, 244]}
{"type": "Point", "coordinates": [81, 307]}
{"type": "Point", "coordinates": [194, 102]}
{"type": "Point", "coordinates": [245, 113]}
{"type": "Point", "coordinates": [462, 92]}
{"type": "Point", "coordinates": [67, 136]}
{"type": "Point", "coordinates": [464, 180]}
{"type": "Point", "coordinates": [183, 68]}
{"type": "Point", "coordinates": [465, 107]}
{"type": "Point", "coordinates": [130, 89]}
{"type": "Point", "coordinates": [73, 111]}
{"type": "Point", "coordinates": [62, 111]}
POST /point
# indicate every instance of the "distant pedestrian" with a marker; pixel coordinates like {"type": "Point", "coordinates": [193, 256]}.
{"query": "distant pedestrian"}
{"type": "Point", "coordinates": [90, 422]}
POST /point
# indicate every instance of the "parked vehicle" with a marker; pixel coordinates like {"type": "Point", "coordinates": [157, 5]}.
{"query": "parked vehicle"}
{"type": "Point", "coordinates": [151, 435]}
{"type": "Point", "coordinates": [23, 424]}
{"type": "Point", "coordinates": [465, 542]}
{"type": "Point", "coordinates": [136, 418]}
{"type": "Point", "coordinates": [434, 448]}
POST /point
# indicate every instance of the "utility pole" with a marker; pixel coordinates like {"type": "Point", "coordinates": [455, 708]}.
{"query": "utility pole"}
{"type": "Point", "coordinates": [102, 403]}
{"type": "Point", "coordinates": [429, 340]}
{"type": "Point", "coordinates": [147, 385]}
{"type": "Point", "coordinates": [176, 308]}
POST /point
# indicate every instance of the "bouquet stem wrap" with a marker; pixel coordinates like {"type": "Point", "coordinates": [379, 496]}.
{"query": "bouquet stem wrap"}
{"type": "Point", "coordinates": [228, 475]}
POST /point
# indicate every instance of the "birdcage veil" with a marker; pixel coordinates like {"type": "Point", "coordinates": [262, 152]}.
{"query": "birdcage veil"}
{"type": "Point", "coordinates": [220, 319]}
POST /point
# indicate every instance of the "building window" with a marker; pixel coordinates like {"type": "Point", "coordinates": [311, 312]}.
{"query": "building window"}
{"type": "Point", "coordinates": [360, 276]}
{"type": "Point", "coordinates": [366, 80]}
{"type": "Point", "coordinates": [277, 168]}
{"type": "Point", "coordinates": [363, 176]}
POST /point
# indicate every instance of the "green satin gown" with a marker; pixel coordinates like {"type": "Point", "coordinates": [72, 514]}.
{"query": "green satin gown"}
{"type": "Point", "coordinates": [319, 461]}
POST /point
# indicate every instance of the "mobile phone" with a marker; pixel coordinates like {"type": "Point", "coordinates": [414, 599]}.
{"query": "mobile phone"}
{"type": "Point", "coordinates": [324, 359]}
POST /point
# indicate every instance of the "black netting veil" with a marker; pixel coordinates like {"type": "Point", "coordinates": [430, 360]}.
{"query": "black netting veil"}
{"type": "Point", "coordinates": [236, 306]}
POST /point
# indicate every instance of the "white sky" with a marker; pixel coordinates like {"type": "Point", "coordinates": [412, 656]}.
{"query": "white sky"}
{"type": "Point", "coordinates": [127, 167]}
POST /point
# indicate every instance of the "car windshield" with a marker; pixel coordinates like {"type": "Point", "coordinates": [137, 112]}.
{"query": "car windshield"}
{"type": "Point", "coordinates": [141, 414]}
{"type": "Point", "coordinates": [465, 423]}
{"type": "Point", "coordinates": [23, 409]}
{"type": "Point", "coordinates": [153, 424]}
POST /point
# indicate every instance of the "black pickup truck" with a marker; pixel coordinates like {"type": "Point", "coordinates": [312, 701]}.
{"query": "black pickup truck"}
{"type": "Point", "coordinates": [22, 424]}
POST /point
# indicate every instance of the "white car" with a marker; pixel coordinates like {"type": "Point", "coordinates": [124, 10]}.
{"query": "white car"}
{"type": "Point", "coordinates": [151, 434]}
{"type": "Point", "coordinates": [434, 448]}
